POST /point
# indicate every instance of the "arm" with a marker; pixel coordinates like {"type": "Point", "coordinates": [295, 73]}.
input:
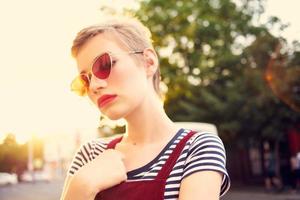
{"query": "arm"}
{"type": "Point", "coordinates": [66, 185]}
{"type": "Point", "coordinates": [85, 183]}
{"type": "Point", "coordinates": [73, 190]}
{"type": "Point", "coordinates": [73, 185]}
{"type": "Point", "coordinates": [205, 175]}
{"type": "Point", "coordinates": [201, 185]}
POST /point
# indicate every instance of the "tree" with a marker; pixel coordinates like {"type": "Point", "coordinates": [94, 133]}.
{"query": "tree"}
{"type": "Point", "coordinates": [212, 74]}
{"type": "Point", "coordinates": [214, 62]}
{"type": "Point", "coordinates": [13, 157]}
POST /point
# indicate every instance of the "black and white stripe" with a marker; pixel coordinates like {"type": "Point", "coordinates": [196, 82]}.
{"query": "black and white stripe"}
{"type": "Point", "coordinates": [204, 151]}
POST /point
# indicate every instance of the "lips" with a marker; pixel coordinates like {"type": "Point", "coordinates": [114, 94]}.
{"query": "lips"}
{"type": "Point", "coordinates": [105, 99]}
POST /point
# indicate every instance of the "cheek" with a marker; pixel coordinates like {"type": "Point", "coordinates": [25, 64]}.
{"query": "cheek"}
{"type": "Point", "coordinates": [131, 84]}
{"type": "Point", "coordinates": [130, 97]}
{"type": "Point", "coordinates": [130, 79]}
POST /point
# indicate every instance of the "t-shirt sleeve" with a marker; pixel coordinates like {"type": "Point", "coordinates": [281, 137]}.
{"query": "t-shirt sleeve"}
{"type": "Point", "coordinates": [207, 152]}
{"type": "Point", "coordinates": [86, 153]}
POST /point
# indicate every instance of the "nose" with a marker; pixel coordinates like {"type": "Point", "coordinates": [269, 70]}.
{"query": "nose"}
{"type": "Point", "coordinates": [97, 84]}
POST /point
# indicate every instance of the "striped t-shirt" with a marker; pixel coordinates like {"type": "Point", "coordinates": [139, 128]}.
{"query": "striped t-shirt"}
{"type": "Point", "coordinates": [203, 151]}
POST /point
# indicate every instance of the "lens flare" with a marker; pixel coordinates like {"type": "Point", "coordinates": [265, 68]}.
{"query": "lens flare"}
{"type": "Point", "coordinates": [283, 77]}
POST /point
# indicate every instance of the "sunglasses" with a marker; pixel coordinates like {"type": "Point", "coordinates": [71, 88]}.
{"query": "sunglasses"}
{"type": "Point", "coordinates": [101, 69]}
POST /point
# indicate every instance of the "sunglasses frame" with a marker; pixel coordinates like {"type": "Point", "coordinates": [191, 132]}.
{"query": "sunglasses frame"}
{"type": "Point", "coordinates": [84, 85]}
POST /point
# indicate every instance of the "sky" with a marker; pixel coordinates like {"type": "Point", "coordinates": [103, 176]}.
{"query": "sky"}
{"type": "Point", "coordinates": [36, 67]}
{"type": "Point", "coordinates": [288, 12]}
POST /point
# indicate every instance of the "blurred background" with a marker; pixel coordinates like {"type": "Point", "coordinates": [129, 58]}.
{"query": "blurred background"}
{"type": "Point", "coordinates": [231, 63]}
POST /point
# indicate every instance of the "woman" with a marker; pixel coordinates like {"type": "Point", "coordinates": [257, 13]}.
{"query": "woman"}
{"type": "Point", "coordinates": [119, 71]}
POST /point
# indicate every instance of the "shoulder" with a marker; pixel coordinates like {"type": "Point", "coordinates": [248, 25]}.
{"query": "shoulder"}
{"type": "Point", "coordinates": [206, 146]}
{"type": "Point", "coordinates": [92, 148]}
{"type": "Point", "coordinates": [206, 152]}
{"type": "Point", "coordinates": [206, 141]}
{"type": "Point", "coordinates": [87, 152]}
{"type": "Point", "coordinates": [204, 136]}
{"type": "Point", "coordinates": [202, 140]}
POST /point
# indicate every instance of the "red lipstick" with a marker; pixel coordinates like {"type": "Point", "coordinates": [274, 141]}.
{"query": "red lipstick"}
{"type": "Point", "coordinates": [105, 99]}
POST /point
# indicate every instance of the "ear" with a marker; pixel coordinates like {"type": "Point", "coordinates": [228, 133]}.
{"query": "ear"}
{"type": "Point", "coordinates": [151, 62]}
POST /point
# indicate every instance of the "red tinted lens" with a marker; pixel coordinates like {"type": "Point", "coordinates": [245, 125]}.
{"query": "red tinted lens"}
{"type": "Point", "coordinates": [101, 67]}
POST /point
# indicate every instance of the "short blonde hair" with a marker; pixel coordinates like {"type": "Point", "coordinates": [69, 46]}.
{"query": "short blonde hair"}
{"type": "Point", "coordinates": [130, 31]}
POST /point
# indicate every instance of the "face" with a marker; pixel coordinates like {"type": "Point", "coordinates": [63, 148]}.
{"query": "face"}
{"type": "Point", "coordinates": [126, 86]}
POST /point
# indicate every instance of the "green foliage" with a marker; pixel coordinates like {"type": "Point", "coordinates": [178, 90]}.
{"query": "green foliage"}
{"type": "Point", "coordinates": [214, 61]}
{"type": "Point", "coordinates": [213, 74]}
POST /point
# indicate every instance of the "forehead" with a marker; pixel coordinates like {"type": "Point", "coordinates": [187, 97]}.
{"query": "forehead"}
{"type": "Point", "coordinates": [96, 46]}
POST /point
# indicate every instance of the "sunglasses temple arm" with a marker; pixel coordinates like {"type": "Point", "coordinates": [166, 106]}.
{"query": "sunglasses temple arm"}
{"type": "Point", "coordinates": [136, 52]}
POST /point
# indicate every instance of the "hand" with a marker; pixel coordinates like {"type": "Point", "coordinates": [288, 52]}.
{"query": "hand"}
{"type": "Point", "coordinates": [105, 171]}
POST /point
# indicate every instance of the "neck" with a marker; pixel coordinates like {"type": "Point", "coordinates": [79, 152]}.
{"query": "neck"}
{"type": "Point", "coordinates": [149, 124]}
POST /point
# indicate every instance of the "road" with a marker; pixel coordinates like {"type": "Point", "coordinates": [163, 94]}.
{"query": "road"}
{"type": "Point", "coordinates": [246, 195]}
{"type": "Point", "coordinates": [32, 191]}
{"type": "Point", "coordinates": [52, 191]}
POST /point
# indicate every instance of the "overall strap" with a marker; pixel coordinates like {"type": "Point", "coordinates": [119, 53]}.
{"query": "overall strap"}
{"type": "Point", "coordinates": [112, 144]}
{"type": "Point", "coordinates": [168, 166]}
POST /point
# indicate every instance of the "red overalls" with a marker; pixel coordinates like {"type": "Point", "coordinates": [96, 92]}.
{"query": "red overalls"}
{"type": "Point", "coordinates": [144, 189]}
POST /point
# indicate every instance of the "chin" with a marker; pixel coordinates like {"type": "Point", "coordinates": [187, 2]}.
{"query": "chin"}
{"type": "Point", "coordinates": [113, 113]}
{"type": "Point", "coordinates": [113, 117]}
{"type": "Point", "coordinates": [119, 111]}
